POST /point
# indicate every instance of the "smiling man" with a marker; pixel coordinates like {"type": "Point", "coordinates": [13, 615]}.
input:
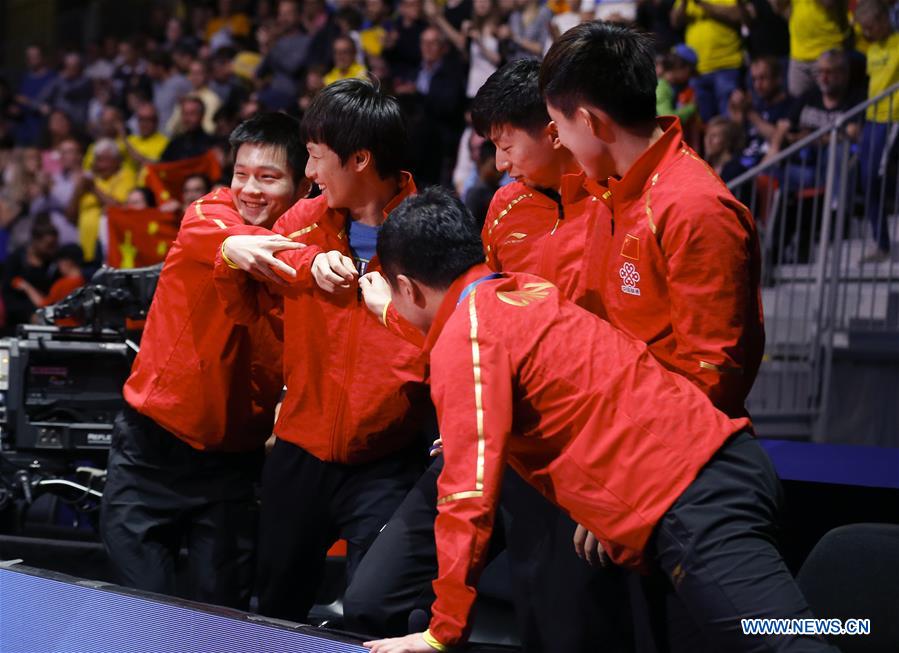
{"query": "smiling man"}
{"type": "Point", "coordinates": [200, 400]}
{"type": "Point", "coordinates": [344, 455]}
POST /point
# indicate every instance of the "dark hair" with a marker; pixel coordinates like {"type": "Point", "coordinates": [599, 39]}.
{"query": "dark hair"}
{"type": "Point", "coordinates": [773, 65]}
{"type": "Point", "coordinates": [276, 129]}
{"type": "Point", "coordinates": [352, 115]}
{"type": "Point", "coordinates": [42, 226]}
{"type": "Point", "coordinates": [207, 183]}
{"type": "Point", "coordinates": [160, 58]}
{"type": "Point", "coordinates": [511, 96]}
{"type": "Point", "coordinates": [196, 99]}
{"type": "Point", "coordinates": [71, 252]}
{"type": "Point", "coordinates": [430, 237]}
{"type": "Point", "coordinates": [872, 8]}
{"type": "Point", "coordinates": [351, 16]}
{"type": "Point", "coordinates": [344, 37]}
{"type": "Point", "coordinates": [603, 65]}
{"type": "Point", "coordinates": [149, 197]}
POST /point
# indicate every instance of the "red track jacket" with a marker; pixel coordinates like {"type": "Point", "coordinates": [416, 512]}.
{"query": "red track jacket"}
{"type": "Point", "coordinates": [211, 382]}
{"type": "Point", "coordinates": [354, 389]}
{"type": "Point", "coordinates": [526, 230]}
{"type": "Point", "coordinates": [676, 264]}
{"type": "Point", "coordinates": [583, 412]}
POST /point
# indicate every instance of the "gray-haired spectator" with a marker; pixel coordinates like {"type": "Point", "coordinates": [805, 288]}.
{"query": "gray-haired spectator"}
{"type": "Point", "coordinates": [832, 95]}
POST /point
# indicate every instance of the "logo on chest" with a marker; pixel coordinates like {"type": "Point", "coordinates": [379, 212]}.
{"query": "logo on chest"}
{"type": "Point", "coordinates": [630, 278]}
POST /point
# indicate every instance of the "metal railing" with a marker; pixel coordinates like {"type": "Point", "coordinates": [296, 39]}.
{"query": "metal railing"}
{"type": "Point", "coordinates": [826, 208]}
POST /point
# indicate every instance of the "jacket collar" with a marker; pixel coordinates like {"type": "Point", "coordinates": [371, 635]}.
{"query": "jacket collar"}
{"type": "Point", "coordinates": [336, 219]}
{"type": "Point", "coordinates": [638, 177]}
{"type": "Point", "coordinates": [450, 300]}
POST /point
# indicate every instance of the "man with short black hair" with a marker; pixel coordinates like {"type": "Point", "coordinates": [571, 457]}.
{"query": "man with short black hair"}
{"type": "Point", "coordinates": [188, 447]}
{"type": "Point", "coordinates": [590, 419]}
{"type": "Point", "coordinates": [676, 257]}
{"type": "Point", "coordinates": [538, 224]}
{"type": "Point", "coordinates": [344, 457]}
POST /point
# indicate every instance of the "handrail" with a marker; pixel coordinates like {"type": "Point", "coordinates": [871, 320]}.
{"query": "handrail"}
{"type": "Point", "coordinates": [811, 138]}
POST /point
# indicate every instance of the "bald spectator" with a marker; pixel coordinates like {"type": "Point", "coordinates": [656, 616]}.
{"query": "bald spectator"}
{"type": "Point", "coordinates": [193, 139]}
{"type": "Point", "coordinates": [148, 144]}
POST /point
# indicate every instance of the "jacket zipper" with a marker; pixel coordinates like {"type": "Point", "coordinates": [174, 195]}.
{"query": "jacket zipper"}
{"type": "Point", "coordinates": [546, 258]}
{"type": "Point", "coordinates": [338, 437]}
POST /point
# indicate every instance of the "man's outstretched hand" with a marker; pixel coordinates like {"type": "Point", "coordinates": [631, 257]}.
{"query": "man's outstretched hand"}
{"type": "Point", "coordinates": [256, 255]}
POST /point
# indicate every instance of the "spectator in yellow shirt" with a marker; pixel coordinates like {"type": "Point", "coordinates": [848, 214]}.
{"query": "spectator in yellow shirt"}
{"type": "Point", "coordinates": [148, 144]}
{"type": "Point", "coordinates": [879, 135]}
{"type": "Point", "coordinates": [107, 184]}
{"type": "Point", "coordinates": [236, 24]}
{"type": "Point", "coordinates": [713, 31]}
{"type": "Point", "coordinates": [816, 27]}
{"type": "Point", "coordinates": [345, 64]}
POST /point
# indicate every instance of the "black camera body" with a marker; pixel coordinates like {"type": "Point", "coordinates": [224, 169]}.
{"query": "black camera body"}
{"type": "Point", "coordinates": [60, 389]}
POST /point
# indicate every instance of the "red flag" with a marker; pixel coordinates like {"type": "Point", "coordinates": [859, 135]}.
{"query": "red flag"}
{"type": "Point", "coordinates": [167, 179]}
{"type": "Point", "coordinates": [139, 237]}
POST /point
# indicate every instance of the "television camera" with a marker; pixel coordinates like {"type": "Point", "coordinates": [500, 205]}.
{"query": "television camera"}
{"type": "Point", "coordinates": [61, 388]}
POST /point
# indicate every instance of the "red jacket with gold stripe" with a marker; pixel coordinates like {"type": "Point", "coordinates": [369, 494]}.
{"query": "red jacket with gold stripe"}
{"type": "Point", "coordinates": [583, 412]}
{"type": "Point", "coordinates": [529, 230]}
{"type": "Point", "coordinates": [199, 374]}
{"type": "Point", "coordinates": [355, 391]}
{"type": "Point", "coordinates": [675, 263]}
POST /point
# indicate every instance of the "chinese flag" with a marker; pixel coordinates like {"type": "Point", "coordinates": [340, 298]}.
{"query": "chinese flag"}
{"type": "Point", "coordinates": [139, 237]}
{"type": "Point", "coordinates": [166, 179]}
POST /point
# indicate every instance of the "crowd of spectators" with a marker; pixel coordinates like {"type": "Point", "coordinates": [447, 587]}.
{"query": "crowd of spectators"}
{"type": "Point", "coordinates": [78, 127]}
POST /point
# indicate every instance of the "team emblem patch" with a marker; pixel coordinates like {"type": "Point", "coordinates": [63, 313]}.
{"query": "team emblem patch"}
{"type": "Point", "coordinates": [631, 278]}
{"type": "Point", "coordinates": [529, 293]}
